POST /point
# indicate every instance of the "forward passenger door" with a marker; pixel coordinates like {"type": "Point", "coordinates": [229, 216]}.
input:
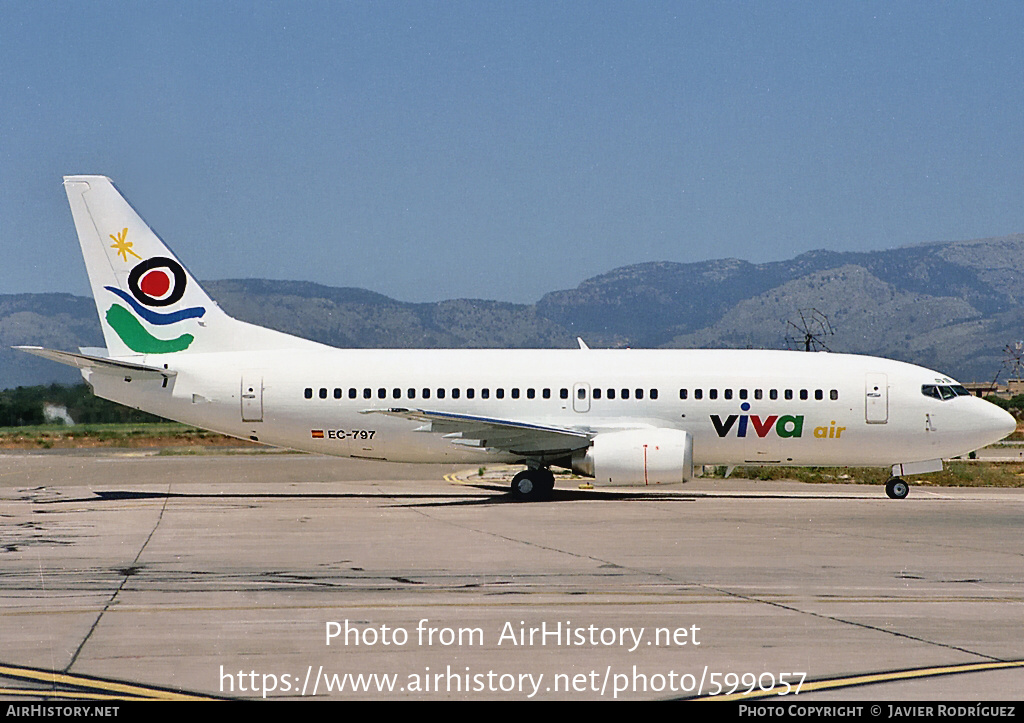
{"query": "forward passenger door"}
{"type": "Point", "coordinates": [876, 398]}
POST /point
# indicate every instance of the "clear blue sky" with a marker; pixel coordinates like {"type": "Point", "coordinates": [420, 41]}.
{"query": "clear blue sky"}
{"type": "Point", "coordinates": [432, 150]}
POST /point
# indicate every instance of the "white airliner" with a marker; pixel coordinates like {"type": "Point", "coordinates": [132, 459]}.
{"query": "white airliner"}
{"type": "Point", "coordinates": [623, 417]}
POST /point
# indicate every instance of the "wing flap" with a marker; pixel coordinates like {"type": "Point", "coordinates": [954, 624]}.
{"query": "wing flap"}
{"type": "Point", "coordinates": [504, 434]}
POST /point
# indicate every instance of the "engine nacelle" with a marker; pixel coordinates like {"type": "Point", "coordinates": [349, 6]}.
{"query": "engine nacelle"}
{"type": "Point", "coordinates": [637, 457]}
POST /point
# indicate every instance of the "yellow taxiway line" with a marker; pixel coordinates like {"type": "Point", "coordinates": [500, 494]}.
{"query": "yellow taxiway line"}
{"type": "Point", "coordinates": [92, 688]}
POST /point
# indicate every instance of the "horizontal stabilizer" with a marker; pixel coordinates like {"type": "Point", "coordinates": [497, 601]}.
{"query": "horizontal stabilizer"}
{"type": "Point", "coordinates": [99, 364]}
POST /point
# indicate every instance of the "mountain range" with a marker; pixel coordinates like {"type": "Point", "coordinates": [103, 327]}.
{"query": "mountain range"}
{"type": "Point", "coordinates": [948, 306]}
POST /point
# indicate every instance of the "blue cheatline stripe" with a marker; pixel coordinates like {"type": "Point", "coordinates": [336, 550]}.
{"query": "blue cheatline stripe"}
{"type": "Point", "coordinates": [155, 317]}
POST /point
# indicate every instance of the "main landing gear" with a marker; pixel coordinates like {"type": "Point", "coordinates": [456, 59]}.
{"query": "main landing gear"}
{"type": "Point", "coordinates": [897, 488]}
{"type": "Point", "coordinates": [533, 484]}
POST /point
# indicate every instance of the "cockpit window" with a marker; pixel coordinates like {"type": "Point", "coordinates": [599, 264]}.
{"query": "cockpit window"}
{"type": "Point", "coordinates": [944, 391]}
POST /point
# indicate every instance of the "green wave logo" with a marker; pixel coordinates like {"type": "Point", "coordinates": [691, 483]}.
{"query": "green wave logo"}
{"type": "Point", "coordinates": [138, 339]}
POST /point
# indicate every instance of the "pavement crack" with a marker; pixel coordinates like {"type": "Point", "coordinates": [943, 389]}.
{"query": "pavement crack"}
{"type": "Point", "coordinates": [843, 621]}
{"type": "Point", "coordinates": [722, 591]}
{"type": "Point", "coordinates": [126, 572]}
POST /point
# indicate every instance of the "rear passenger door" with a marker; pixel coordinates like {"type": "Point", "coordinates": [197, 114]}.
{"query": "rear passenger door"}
{"type": "Point", "coordinates": [252, 396]}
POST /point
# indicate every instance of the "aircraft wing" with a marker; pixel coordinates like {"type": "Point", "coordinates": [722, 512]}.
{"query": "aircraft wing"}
{"type": "Point", "coordinates": [533, 440]}
{"type": "Point", "coordinates": [99, 363]}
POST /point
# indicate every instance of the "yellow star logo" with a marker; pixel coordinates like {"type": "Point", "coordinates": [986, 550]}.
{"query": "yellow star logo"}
{"type": "Point", "coordinates": [123, 247]}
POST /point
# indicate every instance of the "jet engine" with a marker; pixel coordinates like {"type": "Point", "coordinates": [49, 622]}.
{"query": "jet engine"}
{"type": "Point", "coordinates": [637, 457]}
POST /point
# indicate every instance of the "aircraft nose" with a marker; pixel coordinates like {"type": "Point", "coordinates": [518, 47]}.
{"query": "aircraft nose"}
{"type": "Point", "coordinates": [997, 421]}
{"type": "Point", "coordinates": [1008, 425]}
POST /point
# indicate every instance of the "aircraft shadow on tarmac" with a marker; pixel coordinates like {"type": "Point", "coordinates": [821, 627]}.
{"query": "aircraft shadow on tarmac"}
{"type": "Point", "coordinates": [501, 496]}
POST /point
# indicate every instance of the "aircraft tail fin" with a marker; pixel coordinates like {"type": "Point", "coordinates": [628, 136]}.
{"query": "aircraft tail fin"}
{"type": "Point", "coordinates": [147, 301]}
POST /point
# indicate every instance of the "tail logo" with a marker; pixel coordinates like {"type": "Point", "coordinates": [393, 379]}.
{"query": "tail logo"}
{"type": "Point", "coordinates": [123, 247]}
{"type": "Point", "coordinates": [153, 286]}
{"type": "Point", "coordinates": [155, 282]}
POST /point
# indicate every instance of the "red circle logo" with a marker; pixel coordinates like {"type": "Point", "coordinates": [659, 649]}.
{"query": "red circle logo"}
{"type": "Point", "coordinates": [155, 283]}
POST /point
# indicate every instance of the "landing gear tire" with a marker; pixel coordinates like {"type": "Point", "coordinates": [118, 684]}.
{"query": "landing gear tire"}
{"type": "Point", "coordinates": [532, 485]}
{"type": "Point", "coordinates": [896, 488]}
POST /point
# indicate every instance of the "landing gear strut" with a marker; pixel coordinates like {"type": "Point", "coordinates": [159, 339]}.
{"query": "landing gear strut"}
{"type": "Point", "coordinates": [896, 488]}
{"type": "Point", "coordinates": [533, 484]}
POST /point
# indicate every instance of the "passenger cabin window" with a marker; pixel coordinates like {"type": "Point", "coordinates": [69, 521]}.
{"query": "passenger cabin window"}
{"type": "Point", "coordinates": [308, 393]}
{"type": "Point", "coordinates": [698, 393]}
{"type": "Point", "coordinates": [563, 393]}
{"type": "Point", "coordinates": [819, 395]}
{"type": "Point", "coordinates": [773, 393]}
{"type": "Point", "coordinates": [546, 394]}
{"type": "Point", "coordinates": [597, 392]}
{"type": "Point", "coordinates": [352, 392]}
{"type": "Point", "coordinates": [803, 394]}
{"type": "Point", "coordinates": [712, 394]}
{"type": "Point", "coordinates": [323, 392]}
{"type": "Point", "coordinates": [515, 393]}
{"type": "Point", "coordinates": [654, 394]}
{"type": "Point", "coordinates": [833, 395]}
{"type": "Point", "coordinates": [337, 392]}
{"type": "Point", "coordinates": [682, 394]}
{"type": "Point", "coordinates": [728, 393]}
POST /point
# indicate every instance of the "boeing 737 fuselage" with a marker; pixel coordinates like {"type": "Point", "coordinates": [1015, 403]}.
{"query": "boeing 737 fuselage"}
{"type": "Point", "coordinates": [623, 417]}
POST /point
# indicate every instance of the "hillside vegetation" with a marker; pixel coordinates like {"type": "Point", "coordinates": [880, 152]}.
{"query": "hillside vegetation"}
{"type": "Point", "coordinates": [950, 306]}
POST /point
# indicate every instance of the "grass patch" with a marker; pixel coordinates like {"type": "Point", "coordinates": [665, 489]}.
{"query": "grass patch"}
{"type": "Point", "coordinates": [143, 434]}
{"type": "Point", "coordinates": [87, 430]}
{"type": "Point", "coordinates": [955, 474]}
